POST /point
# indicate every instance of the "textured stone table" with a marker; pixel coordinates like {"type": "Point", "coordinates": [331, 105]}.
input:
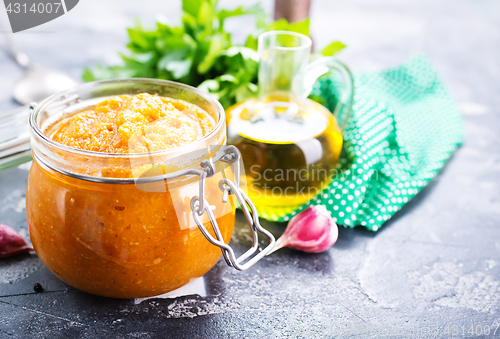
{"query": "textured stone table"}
{"type": "Point", "coordinates": [434, 266]}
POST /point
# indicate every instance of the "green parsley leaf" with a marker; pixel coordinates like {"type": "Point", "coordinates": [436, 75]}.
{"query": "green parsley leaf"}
{"type": "Point", "coordinates": [333, 48]}
{"type": "Point", "coordinates": [200, 52]}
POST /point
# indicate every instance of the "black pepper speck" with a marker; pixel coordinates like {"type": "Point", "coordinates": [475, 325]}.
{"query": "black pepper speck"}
{"type": "Point", "coordinates": [38, 287]}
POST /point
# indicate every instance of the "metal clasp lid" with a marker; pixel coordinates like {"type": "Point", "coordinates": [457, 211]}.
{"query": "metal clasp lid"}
{"type": "Point", "coordinates": [230, 155]}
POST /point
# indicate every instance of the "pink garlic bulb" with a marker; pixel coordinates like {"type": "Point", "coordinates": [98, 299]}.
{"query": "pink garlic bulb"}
{"type": "Point", "coordinates": [11, 242]}
{"type": "Point", "coordinates": [313, 231]}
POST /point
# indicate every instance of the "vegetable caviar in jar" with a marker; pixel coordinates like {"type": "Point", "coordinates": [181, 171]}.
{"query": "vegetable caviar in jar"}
{"type": "Point", "coordinates": [97, 230]}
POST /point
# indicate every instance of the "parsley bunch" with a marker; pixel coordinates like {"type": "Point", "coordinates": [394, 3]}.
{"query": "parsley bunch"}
{"type": "Point", "coordinates": [200, 52]}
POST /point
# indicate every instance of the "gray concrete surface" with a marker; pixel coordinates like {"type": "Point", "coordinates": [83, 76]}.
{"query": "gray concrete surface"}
{"type": "Point", "coordinates": [433, 268]}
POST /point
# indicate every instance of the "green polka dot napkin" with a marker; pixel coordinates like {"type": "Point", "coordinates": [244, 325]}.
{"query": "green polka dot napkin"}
{"type": "Point", "coordinates": [404, 127]}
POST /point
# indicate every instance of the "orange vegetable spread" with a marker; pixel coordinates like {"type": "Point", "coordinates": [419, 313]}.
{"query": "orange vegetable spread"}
{"type": "Point", "coordinates": [134, 124]}
{"type": "Point", "coordinates": [118, 240]}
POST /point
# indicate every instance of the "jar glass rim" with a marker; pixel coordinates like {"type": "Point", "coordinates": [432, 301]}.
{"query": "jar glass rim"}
{"type": "Point", "coordinates": [88, 86]}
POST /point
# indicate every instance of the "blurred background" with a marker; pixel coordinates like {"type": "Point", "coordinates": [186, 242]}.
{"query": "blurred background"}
{"type": "Point", "coordinates": [461, 37]}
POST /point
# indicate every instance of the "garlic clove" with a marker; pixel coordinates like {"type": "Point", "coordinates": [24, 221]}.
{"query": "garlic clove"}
{"type": "Point", "coordinates": [11, 242]}
{"type": "Point", "coordinates": [313, 231]}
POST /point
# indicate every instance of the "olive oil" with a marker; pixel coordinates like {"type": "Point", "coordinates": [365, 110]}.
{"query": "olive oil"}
{"type": "Point", "coordinates": [289, 149]}
{"type": "Point", "coordinates": [290, 145]}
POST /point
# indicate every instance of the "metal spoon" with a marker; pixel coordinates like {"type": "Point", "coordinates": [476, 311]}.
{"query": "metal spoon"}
{"type": "Point", "coordinates": [38, 82]}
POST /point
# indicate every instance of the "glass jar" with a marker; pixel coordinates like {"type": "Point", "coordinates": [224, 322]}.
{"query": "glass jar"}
{"type": "Point", "coordinates": [121, 225]}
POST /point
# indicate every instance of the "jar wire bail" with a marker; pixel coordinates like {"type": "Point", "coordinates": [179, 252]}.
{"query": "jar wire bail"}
{"type": "Point", "coordinates": [230, 155]}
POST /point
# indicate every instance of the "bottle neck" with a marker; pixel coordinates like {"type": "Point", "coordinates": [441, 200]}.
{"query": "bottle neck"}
{"type": "Point", "coordinates": [283, 70]}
